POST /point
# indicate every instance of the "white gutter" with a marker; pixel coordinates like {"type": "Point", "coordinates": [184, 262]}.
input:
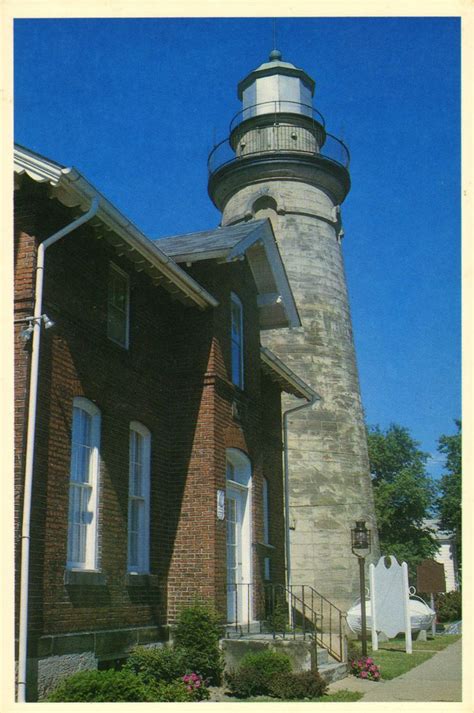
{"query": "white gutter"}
{"type": "Point", "coordinates": [78, 190]}
{"type": "Point", "coordinates": [297, 387]}
{"type": "Point", "coordinates": [310, 402]}
{"type": "Point", "coordinates": [30, 443]}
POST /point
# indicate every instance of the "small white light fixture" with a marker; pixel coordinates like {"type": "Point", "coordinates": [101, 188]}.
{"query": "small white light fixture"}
{"type": "Point", "coordinates": [48, 323]}
{"type": "Point", "coordinates": [26, 332]}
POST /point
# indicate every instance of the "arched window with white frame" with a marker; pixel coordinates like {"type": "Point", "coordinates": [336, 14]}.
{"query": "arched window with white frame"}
{"type": "Point", "coordinates": [139, 499]}
{"type": "Point", "coordinates": [83, 486]}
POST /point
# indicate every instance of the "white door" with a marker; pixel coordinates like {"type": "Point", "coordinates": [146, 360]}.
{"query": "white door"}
{"type": "Point", "coordinates": [237, 556]}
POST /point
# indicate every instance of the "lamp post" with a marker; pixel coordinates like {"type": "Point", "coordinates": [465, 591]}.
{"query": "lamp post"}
{"type": "Point", "coordinates": [361, 542]}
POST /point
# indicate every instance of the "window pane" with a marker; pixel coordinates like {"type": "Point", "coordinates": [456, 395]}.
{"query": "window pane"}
{"type": "Point", "coordinates": [81, 446]}
{"type": "Point", "coordinates": [79, 518]}
{"type": "Point", "coordinates": [117, 307]}
{"type": "Point", "coordinates": [136, 463]}
{"type": "Point", "coordinates": [117, 325]}
{"type": "Point", "coordinates": [82, 488]}
{"type": "Point", "coordinates": [139, 473]}
{"type": "Point", "coordinates": [236, 343]}
{"type": "Point", "coordinates": [236, 365]}
{"type": "Point", "coordinates": [136, 523]}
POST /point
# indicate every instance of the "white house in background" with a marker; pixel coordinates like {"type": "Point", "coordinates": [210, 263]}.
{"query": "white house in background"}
{"type": "Point", "coordinates": [446, 554]}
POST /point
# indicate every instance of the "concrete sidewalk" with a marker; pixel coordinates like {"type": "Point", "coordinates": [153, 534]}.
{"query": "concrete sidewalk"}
{"type": "Point", "coordinates": [438, 679]}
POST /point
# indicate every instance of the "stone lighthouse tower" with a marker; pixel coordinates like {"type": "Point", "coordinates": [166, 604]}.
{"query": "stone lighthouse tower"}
{"type": "Point", "coordinates": [280, 162]}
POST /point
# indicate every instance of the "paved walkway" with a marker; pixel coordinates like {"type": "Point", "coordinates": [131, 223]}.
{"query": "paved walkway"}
{"type": "Point", "coordinates": [438, 679]}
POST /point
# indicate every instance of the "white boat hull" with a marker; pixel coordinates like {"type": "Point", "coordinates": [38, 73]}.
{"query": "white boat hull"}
{"type": "Point", "coordinates": [421, 616]}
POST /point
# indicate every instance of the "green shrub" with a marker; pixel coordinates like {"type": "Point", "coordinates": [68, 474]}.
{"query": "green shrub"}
{"type": "Point", "coordinates": [278, 618]}
{"type": "Point", "coordinates": [353, 650]}
{"type": "Point", "coordinates": [172, 692]}
{"type": "Point", "coordinates": [448, 606]}
{"type": "Point", "coordinates": [157, 663]}
{"type": "Point", "coordinates": [102, 687]}
{"type": "Point", "coordinates": [197, 635]}
{"type": "Point", "coordinates": [297, 686]}
{"type": "Point", "coordinates": [255, 671]}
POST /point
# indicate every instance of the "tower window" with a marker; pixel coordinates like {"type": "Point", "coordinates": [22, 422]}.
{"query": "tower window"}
{"type": "Point", "coordinates": [237, 342]}
{"type": "Point", "coordinates": [118, 299]}
{"type": "Point", "coordinates": [264, 203]}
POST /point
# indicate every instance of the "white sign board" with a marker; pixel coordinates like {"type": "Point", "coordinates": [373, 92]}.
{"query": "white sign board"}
{"type": "Point", "coordinates": [389, 598]}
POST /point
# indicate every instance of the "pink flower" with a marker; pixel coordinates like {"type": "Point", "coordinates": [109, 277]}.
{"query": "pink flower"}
{"type": "Point", "coordinates": [369, 661]}
{"type": "Point", "coordinates": [363, 674]}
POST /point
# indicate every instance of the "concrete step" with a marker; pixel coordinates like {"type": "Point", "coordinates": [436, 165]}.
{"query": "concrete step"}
{"type": "Point", "coordinates": [299, 650]}
{"type": "Point", "coordinates": [334, 671]}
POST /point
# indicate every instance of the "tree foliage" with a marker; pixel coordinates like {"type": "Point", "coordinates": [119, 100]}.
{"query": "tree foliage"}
{"type": "Point", "coordinates": [404, 494]}
{"type": "Point", "coordinates": [450, 487]}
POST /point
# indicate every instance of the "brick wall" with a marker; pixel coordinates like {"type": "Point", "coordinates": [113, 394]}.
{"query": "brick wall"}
{"type": "Point", "coordinates": [174, 379]}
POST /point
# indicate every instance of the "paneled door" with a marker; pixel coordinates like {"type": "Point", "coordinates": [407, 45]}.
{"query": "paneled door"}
{"type": "Point", "coordinates": [236, 556]}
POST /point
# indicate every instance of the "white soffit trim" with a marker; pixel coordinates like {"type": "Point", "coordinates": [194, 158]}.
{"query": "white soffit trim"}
{"type": "Point", "coordinates": [72, 189]}
{"type": "Point", "coordinates": [277, 267]}
{"type": "Point", "coordinates": [287, 378]}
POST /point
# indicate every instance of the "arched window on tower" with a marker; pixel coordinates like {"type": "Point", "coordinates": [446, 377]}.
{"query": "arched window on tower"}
{"type": "Point", "coordinates": [264, 207]}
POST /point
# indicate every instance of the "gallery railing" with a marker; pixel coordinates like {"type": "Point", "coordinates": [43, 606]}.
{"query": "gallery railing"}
{"type": "Point", "coordinates": [287, 139]}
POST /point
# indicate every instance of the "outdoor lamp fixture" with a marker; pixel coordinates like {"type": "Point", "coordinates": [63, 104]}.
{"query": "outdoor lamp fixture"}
{"type": "Point", "coordinates": [27, 331]}
{"type": "Point", "coordinates": [361, 541]}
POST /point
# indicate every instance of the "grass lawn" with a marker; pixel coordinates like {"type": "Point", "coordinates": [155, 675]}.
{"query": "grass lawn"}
{"type": "Point", "coordinates": [437, 644]}
{"type": "Point", "coordinates": [393, 661]}
{"type": "Point", "coordinates": [338, 697]}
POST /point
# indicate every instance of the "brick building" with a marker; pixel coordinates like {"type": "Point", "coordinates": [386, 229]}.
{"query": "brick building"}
{"type": "Point", "coordinates": [148, 447]}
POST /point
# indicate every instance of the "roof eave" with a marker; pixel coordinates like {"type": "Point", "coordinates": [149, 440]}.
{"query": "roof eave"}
{"type": "Point", "coordinates": [81, 192]}
{"type": "Point", "coordinates": [277, 268]}
{"type": "Point", "coordinates": [289, 381]}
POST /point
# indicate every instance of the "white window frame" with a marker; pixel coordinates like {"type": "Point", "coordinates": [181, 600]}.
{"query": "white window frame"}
{"type": "Point", "coordinates": [239, 480]}
{"type": "Point", "coordinates": [114, 270]}
{"type": "Point", "coordinates": [89, 561]}
{"type": "Point", "coordinates": [237, 346]}
{"type": "Point", "coordinates": [142, 565]}
{"type": "Point", "coordinates": [266, 512]}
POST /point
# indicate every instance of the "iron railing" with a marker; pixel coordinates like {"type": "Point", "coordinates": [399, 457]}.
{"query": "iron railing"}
{"type": "Point", "coordinates": [333, 150]}
{"type": "Point", "coordinates": [276, 107]}
{"type": "Point", "coordinates": [294, 612]}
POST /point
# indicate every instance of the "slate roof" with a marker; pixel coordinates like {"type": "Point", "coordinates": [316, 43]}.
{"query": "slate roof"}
{"type": "Point", "coordinates": [207, 242]}
{"type": "Point", "coordinates": [255, 241]}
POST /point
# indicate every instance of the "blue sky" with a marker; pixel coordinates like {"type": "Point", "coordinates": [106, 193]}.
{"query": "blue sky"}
{"type": "Point", "coordinates": [137, 104]}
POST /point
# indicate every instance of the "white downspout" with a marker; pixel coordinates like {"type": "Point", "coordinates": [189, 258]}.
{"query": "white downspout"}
{"type": "Point", "coordinates": [314, 399]}
{"type": "Point", "coordinates": [30, 444]}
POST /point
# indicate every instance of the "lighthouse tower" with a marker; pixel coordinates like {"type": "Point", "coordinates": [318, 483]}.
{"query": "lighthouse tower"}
{"type": "Point", "coordinates": [279, 162]}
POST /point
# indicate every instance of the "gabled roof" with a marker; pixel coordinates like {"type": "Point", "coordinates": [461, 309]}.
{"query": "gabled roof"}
{"type": "Point", "coordinates": [287, 380]}
{"type": "Point", "coordinates": [72, 189]}
{"type": "Point", "coordinates": [255, 241]}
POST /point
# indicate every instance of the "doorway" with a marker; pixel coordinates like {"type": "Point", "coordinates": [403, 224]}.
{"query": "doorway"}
{"type": "Point", "coordinates": [239, 540]}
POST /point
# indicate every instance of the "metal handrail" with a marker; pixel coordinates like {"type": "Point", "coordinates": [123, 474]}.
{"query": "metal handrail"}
{"type": "Point", "coordinates": [276, 105]}
{"type": "Point", "coordinates": [326, 637]}
{"type": "Point", "coordinates": [309, 614]}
